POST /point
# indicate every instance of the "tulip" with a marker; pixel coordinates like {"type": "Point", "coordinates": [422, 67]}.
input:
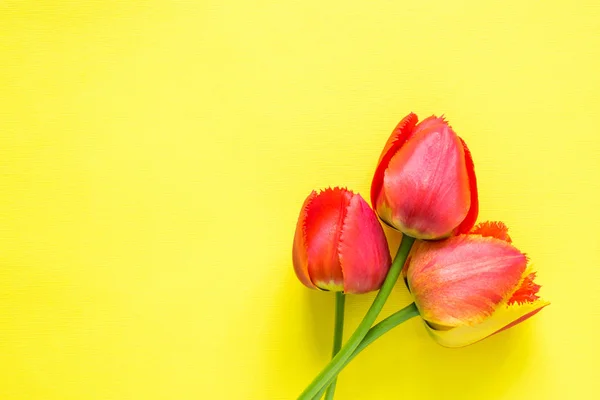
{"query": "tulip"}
{"type": "Point", "coordinates": [339, 244]}
{"type": "Point", "coordinates": [424, 184]}
{"type": "Point", "coordinates": [471, 286]}
{"type": "Point", "coordinates": [466, 288]}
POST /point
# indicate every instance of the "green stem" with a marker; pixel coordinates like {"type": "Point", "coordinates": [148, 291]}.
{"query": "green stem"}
{"type": "Point", "coordinates": [338, 332]}
{"type": "Point", "coordinates": [379, 330]}
{"type": "Point", "coordinates": [338, 362]}
{"type": "Point", "coordinates": [320, 394]}
{"type": "Point", "coordinates": [383, 327]}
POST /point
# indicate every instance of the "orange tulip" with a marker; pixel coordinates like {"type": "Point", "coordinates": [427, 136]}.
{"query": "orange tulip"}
{"type": "Point", "coordinates": [424, 183]}
{"type": "Point", "coordinates": [339, 244]}
{"type": "Point", "coordinates": [471, 286]}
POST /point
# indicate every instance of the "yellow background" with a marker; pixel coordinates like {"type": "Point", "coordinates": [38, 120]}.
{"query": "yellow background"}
{"type": "Point", "coordinates": [154, 157]}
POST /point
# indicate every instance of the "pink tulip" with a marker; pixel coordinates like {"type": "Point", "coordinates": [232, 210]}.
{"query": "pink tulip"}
{"type": "Point", "coordinates": [471, 286]}
{"type": "Point", "coordinates": [339, 244]}
{"type": "Point", "coordinates": [424, 184]}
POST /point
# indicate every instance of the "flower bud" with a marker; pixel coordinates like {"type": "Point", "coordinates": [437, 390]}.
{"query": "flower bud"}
{"type": "Point", "coordinates": [471, 286]}
{"type": "Point", "coordinates": [424, 184]}
{"type": "Point", "coordinates": [339, 244]}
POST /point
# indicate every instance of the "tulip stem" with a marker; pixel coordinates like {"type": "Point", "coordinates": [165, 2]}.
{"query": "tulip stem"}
{"type": "Point", "coordinates": [341, 358]}
{"type": "Point", "coordinates": [338, 332]}
{"type": "Point", "coordinates": [385, 326]}
{"type": "Point", "coordinates": [382, 328]}
{"type": "Point", "coordinates": [379, 330]}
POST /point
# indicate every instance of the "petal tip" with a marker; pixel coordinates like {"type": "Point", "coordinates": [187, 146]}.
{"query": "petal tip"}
{"type": "Point", "coordinates": [495, 229]}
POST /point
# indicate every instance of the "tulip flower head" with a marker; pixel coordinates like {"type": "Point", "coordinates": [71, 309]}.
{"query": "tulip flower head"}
{"type": "Point", "coordinates": [424, 183]}
{"type": "Point", "coordinates": [339, 244]}
{"type": "Point", "coordinates": [471, 286]}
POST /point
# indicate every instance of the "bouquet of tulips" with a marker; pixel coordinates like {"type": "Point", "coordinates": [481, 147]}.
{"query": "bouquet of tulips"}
{"type": "Point", "coordinates": [468, 281]}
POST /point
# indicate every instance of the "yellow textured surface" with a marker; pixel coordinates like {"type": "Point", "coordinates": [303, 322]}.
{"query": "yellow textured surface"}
{"type": "Point", "coordinates": [154, 157]}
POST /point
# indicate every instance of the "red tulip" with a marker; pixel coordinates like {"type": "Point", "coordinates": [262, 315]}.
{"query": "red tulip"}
{"type": "Point", "coordinates": [339, 244]}
{"type": "Point", "coordinates": [424, 184]}
{"type": "Point", "coordinates": [471, 286]}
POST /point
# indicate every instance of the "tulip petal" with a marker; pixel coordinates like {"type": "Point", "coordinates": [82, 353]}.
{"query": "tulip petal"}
{"type": "Point", "coordinates": [431, 124]}
{"type": "Point", "coordinates": [299, 251]}
{"type": "Point", "coordinates": [527, 290]}
{"type": "Point", "coordinates": [462, 280]}
{"type": "Point", "coordinates": [324, 221]}
{"type": "Point", "coordinates": [399, 136]}
{"type": "Point", "coordinates": [494, 229]}
{"type": "Point", "coordinates": [426, 183]}
{"type": "Point", "coordinates": [504, 318]}
{"type": "Point", "coordinates": [471, 217]}
{"type": "Point", "coordinates": [364, 266]}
